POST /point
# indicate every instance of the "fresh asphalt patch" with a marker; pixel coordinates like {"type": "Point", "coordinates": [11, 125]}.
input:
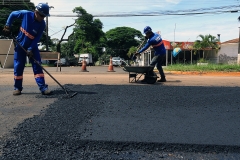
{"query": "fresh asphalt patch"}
{"type": "Point", "coordinates": [130, 122]}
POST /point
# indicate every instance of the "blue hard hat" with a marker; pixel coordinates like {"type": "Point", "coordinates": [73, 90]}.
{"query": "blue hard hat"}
{"type": "Point", "coordinates": [43, 8]}
{"type": "Point", "coordinates": [147, 29]}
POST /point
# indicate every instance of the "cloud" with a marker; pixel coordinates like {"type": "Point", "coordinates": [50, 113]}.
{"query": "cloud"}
{"type": "Point", "coordinates": [173, 1]}
{"type": "Point", "coordinates": [187, 26]}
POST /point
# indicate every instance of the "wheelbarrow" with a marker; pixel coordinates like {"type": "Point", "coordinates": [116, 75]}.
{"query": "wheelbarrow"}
{"type": "Point", "coordinates": [136, 72]}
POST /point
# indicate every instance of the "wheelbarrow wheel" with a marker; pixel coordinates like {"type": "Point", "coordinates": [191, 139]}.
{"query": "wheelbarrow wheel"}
{"type": "Point", "coordinates": [151, 77]}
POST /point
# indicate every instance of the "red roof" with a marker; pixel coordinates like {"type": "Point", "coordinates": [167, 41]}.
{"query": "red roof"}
{"type": "Point", "coordinates": [236, 40]}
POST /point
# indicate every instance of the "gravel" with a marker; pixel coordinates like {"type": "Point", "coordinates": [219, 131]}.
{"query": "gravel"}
{"type": "Point", "coordinates": [131, 122]}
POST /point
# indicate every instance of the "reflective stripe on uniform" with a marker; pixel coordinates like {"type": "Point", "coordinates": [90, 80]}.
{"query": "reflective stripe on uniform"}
{"type": "Point", "coordinates": [18, 77]}
{"type": "Point", "coordinates": [159, 44]}
{"type": "Point", "coordinates": [39, 75]}
{"type": "Point", "coordinates": [26, 33]}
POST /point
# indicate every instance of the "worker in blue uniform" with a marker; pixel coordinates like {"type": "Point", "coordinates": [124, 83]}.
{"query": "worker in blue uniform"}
{"type": "Point", "coordinates": [156, 42]}
{"type": "Point", "coordinates": [31, 30]}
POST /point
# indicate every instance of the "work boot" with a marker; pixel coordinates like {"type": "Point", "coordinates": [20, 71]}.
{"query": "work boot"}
{"type": "Point", "coordinates": [16, 92]}
{"type": "Point", "coordinates": [163, 79]}
{"type": "Point", "coordinates": [47, 92]}
{"type": "Point", "coordinates": [144, 80]}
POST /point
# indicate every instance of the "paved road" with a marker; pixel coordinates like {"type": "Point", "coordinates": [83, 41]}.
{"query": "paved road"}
{"type": "Point", "coordinates": [71, 70]}
{"type": "Point", "coordinates": [186, 110]}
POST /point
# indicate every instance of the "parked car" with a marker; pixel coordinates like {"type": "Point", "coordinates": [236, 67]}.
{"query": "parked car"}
{"type": "Point", "coordinates": [116, 61]}
{"type": "Point", "coordinates": [61, 62]}
{"type": "Point", "coordinates": [72, 61]}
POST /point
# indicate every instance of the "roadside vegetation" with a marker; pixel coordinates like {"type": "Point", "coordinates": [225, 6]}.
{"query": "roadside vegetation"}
{"type": "Point", "coordinates": [44, 65]}
{"type": "Point", "coordinates": [203, 68]}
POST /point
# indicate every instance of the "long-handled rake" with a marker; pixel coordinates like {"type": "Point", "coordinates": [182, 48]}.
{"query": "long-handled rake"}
{"type": "Point", "coordinates": [65, 89]}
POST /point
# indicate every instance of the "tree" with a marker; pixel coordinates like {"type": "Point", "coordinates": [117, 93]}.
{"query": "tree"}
{"type": "Point", "coordinates": [134, 49]}
{"type": "Point", "coordinates": [44, 42]}
{"type": "Point", "coordinates": [87, 30]}
{"type": "Point", "coordinates": [12, 5]}
{"type": "Point", "coordinates": [58, 46]}
{"type": "Point", "coordinates": [131, 51]}
{"type": "Point", "coordinates": [5, 11]}
{"type": "Point", "coordinates": [207, 42]}
{"type": "Point", "coordinates": [87, 36]}
{"type": "Point", "coordinates": [55, 42]}
{"type": "Point", "coordinates": [121, 39]}
{"type": "Point", "coordinates": [67, 49]}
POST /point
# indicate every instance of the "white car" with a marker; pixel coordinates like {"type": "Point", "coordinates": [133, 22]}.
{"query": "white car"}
{"type": "Point", "coordinates": [116, 61]}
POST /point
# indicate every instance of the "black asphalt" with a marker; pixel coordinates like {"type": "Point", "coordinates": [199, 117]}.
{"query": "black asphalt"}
{"type": "Point", "coordinates": [129, 122]}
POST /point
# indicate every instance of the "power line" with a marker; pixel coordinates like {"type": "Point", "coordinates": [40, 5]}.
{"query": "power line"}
{"type": "Point", "coordinates": [57, 32]}
{"type": "Point", "coordinates": [211, 10]}
{"type": "Point", "coordinates": [152, 14]}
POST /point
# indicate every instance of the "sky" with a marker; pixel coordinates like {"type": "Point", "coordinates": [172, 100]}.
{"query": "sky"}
{"type": "Point", "coordinates": [171, 27]}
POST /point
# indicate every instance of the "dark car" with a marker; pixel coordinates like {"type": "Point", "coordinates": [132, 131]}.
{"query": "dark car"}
{"type": "Point", "coordinates": [62, 62]}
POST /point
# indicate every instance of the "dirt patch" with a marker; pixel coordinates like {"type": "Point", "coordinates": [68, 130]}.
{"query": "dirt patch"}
{"type": "Point", "coordinates": [206, 73]}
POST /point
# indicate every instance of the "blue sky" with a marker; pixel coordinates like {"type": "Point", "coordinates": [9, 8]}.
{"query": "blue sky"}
{"type": "Point", "coordinates": [177, 27]}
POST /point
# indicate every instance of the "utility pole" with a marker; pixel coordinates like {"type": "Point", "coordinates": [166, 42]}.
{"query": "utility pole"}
{"type": "Point", "coordinates": [174, 32]}
{"type": "Point", "coordinates": [239, 47]}
{"type": "Point", "coordinates": [239, 42]}
{"type": "Point", "coordinates": [47, 28]}
{"type": "Point", "coordinates": [174, 45]}
{"type": "Point", "coordinates": [47, 33]}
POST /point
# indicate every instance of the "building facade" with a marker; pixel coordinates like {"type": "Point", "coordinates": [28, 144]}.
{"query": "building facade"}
{"type": "Point", "coordinates": [227, 54]}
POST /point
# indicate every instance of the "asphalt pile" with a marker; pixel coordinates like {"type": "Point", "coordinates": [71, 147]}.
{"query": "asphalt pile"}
{"type": "Point", "coordinates": [78, 128]}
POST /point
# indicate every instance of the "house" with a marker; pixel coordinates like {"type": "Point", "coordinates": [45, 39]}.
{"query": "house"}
{"type": "Point", "coordinates": [229, 52]}
{"type": "Point", "coordinates": [186, 56]}
{"type": "Point", "coordinates": [6, 53]}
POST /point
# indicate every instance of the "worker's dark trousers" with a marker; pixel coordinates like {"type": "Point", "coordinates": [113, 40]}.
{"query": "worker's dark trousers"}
{"type": "Point", "coordinates": [158, 61]}
{"type": "Point", "coordinates": [19, 64]}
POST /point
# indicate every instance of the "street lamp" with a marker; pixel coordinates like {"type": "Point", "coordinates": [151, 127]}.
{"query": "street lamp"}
{"type": "Point", "coordinates": [47, 29]}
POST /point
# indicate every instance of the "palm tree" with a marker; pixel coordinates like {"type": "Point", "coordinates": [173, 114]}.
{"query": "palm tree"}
{"type": "Point", "coordinates": [214, 42]}
{"type": "Point", "coordinates": [207, 42]}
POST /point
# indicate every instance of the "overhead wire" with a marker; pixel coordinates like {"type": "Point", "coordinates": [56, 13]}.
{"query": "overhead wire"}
{"type": "Point", "coordinates": [221, 9]}
{"type": "Point", "coordinates": [190, 12]}
{"type": "Point", "coordinates": [215, 10]}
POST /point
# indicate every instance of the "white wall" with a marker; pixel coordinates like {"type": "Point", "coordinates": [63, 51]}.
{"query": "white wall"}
{"type": "Point", "coordinates": [238, 58]}
{"type": "Point", "coordinates": [6, 53]}
{"type": "Point", "coordinates": [145, 58]}
{"type": "Point", "coordinates": [228, 53]}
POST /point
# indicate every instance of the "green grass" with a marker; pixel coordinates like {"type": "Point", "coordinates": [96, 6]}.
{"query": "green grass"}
{"type": "Point", "coordinates": [44, 65]}
{"type": "Point", "coordinates": [203, 68]}
{"type": "Point", "coordinates": [190, 67]}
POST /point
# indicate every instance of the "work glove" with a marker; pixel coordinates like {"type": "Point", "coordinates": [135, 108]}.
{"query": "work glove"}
{"type": "Point", "coordinates": [29, 53]}
{"type": "Point", "coordinates": [6, 31]}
